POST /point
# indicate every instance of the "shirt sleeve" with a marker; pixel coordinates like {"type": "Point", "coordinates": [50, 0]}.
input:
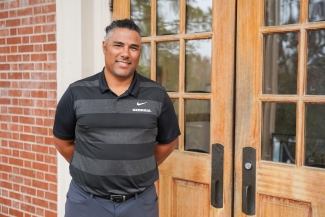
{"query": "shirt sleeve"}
{"type": "Point", "coordinates": [168, 129]}
{"type": "Point", "coordinates": [65, 118]}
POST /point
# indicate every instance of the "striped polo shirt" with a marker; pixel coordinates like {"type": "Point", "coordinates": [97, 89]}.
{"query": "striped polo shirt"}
{"type": "Point", "coordinates": [115, 136]}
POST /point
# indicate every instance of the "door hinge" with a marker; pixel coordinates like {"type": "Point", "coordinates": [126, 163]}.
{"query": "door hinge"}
{"type": "Point", "coordinates": [111, 5]}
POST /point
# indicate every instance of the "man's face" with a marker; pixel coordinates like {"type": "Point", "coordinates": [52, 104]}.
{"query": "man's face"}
{"type": "Point", "coordinates": [122, 53]}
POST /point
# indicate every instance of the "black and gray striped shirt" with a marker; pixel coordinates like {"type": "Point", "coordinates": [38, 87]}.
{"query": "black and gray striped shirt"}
{"type": "Point", "coordinates": [114, 135]}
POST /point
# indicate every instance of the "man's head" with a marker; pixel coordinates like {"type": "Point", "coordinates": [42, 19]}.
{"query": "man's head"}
{"type": "Point", "coordinates": [121, 47]}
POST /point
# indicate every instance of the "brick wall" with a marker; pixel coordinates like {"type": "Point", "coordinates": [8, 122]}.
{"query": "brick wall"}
{"type": "Point", "coordinates": [28, 164]}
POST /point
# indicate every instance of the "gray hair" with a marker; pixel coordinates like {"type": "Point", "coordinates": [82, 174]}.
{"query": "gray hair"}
{"type": "Point", "coordinates": [125, 23]}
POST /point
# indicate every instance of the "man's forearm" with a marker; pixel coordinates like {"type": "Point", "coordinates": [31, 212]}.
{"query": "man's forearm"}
{"type": "Point", "coordinates": [162, 151]}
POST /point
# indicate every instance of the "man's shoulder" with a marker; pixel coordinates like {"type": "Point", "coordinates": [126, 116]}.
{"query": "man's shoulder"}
{"type": "Point", "coordinates": [92, 80]}
{"type": "Point", "coordinates": [148, 83]}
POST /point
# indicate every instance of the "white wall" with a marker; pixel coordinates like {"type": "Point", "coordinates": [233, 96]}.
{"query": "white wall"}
{"type": "Point", "coordinates": [80, 31]}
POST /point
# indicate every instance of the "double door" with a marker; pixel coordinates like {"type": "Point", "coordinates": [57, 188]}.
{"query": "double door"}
{"type": "Point", "coordinates": [247, 82]}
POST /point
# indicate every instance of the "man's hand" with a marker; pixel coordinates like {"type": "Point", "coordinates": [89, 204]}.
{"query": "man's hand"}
{"type": "Point", "coordinates": [162, 151]}
{"type": "Point", "coordinates": [65, 147]}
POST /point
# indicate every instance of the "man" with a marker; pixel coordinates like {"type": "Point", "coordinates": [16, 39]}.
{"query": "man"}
{"type": "Point", "coordinates": [115, 128]}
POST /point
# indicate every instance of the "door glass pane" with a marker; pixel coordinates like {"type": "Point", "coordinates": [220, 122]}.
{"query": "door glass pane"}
{"type": "Point", "coordinates": [280, 63]}
{"type": "Point", "coordinates": [198, 66]}
{"type": "Point", "coordinates": [168, 15]}
{"type": "Point", "coordinates": [145, 60]}
{"type": "Point", "coordinates": [316, 10]}
{"type": "Point", "coordinates": [278, 133]}
{"type": "Point", "coordinates": [176, 105]}
{"type": "Point", "coordinates": [168, 65]}
{"type": "Point", "coordinates": [315, 135]}
{"type": "Point", "coordinates": [141, 15]}
{"type": "Point", "coordinates": [197, 125]}
{"type": "Point", "coordinates": [281, 12]}
{"type": "Point", "coordinates": [198, 16]}
{"type": "Point", "coordinates": [316, 63]}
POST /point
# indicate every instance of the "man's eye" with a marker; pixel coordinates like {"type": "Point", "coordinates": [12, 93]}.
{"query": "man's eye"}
{"type": "Point", "coordinates": [134, 48]}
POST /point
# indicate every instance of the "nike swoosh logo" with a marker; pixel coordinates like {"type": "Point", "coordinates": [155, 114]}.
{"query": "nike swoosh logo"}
{"type": "Point", "coordinates": [138, 104]}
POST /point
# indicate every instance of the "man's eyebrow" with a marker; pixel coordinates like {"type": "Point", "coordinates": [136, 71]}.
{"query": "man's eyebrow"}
{"type": "Point", "coordinates": [120, 43]}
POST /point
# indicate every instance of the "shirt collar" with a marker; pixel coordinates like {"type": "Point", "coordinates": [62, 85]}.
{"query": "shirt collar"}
{"type": "Point", "coordinates": [133, 89]}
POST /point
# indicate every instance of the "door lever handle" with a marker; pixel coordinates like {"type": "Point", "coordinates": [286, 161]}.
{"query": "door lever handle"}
{"type": "Point", "coordinates": [249, 180]}
{"type": "Point", "coordinates": [217, 176]}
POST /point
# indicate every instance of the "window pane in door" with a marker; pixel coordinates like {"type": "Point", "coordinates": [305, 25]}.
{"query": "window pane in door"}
{"type": "Point", "coordinates": [145, 60]}
{"type": "Point", "coordinates": [141, 15]}
{"type": "Point", "coordinates": [168, 65]}
{"type": "Point", "coordinates": [280, 63]}
{"type": "Point", "coordinates": [198, 16]}
{"type": "Point", "coordinates": [315, 135]}
{"type": "Point", "coordinates": [278, 132]}
{"type": "Point", "coordinates": [197, 126]}
{"type": "Point", "coordinates": [316, 10]}
{"type": "Point", "coordinates": [316, 63]}
{"type": "Point", "coordinates": [198, 66]}
{"type": "Point", "coordinates": [281, 12]}
{"type": "Point", "coordinates": [168, 15]}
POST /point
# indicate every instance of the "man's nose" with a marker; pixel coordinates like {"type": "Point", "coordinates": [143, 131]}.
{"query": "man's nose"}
{"type": "Point", "coordinates": [125, 52]}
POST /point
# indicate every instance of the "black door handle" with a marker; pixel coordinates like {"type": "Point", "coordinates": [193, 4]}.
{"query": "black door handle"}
{"type": "Point", "coordinates": [217, 175]}
{"type": "Point", "coordinates": [249, 180]}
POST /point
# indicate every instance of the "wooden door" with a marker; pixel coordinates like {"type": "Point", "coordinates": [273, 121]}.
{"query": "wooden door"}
{"type": "Point", "coordinates": [280, 106]}
{"type": "Point", "coordinates": [188, 47]}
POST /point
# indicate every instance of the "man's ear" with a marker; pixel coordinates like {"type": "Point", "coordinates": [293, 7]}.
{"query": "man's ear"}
{"type": "Point", "coordinates": [104, 46]}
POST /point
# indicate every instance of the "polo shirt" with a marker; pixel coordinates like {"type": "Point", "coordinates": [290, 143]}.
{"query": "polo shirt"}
{"type": "Point", "coordinates": [115, 136]}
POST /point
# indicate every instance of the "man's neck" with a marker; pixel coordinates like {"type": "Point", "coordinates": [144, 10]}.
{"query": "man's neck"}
{"type": "Point", "coordinates": [118, 84]}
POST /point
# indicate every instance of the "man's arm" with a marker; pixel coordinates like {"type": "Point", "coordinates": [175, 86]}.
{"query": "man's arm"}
{"type": "Point", "coordinates": [65, 147]}
{"type": "Point", "coordinates": [162, 151]}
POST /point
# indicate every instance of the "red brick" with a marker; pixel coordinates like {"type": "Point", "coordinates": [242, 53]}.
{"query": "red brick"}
{"type": "Point", "coordinates": [37, 10]}
{"type": "Point", "coordinates": [49, 47]}
{"type": "Point", "coordinates": [49, 8]}
{"type": "Point", "coordinates": [15, 213]}
{"type": "Point", "coordinates": [4, 84]}
{"type": "Point", "coordinates": [27, 172]}
{"type": "Point", "coordinates": [28, 190]}
{"type": "Point", "coordinates": [26, 94]}
{"type": "Point", "coordinates": [24, 12]}
{"type": "Point", "coordinates": [25, 30]}
{"type": "Point", "coordinates": [14, 22]}
{"type": "Point", "coordinates": [14, 58]}
{"type": "Point", "coordinates": [49, 28]}
{"type": "Point", "coordinates": [14, 67]}
{"type": "Point", "coordinates": [51, 178]}
{"type": "Point", "coordinates": [12, 14]}
{"type": "Point", "coordinates": [13, 49]}
{"type": "Point", "coordinates": [3, 58]}
{"type": "Point", "coordinates": [2, 41]}
{"type": "Point", "coordinates": [27, 120]}
{"type": "Point", "coordinates": [38, 20]}
{"type": "Point", "coordinates": [32, 85]}
{"type": "Point", "coordinates": [4, 201]}
{"type": "Point", "coordinates": [38, 38]}
{"type": "Point", "coordinates": [13, 31]}
{"type": "Point", "coordinates": [40, 148]}
{"type": "Point", "coordinates": [26, 66]}
{"type": "Point", "coordinates": [4, 66]}
{"type": "Point", "coordinates": [39, 184]}
{"type": "Point", "coordinates": [27, 137]}
{"type": "Point", "coordinates": [15, 127]}
{"type": "Point", "coordinates": [7, 185]}
{"type": "Point", "coordinates": [51, 159]}
{"type": "Point", "coordinates": [52, 56]}
{"type": "Point", "coordinates": [16, 110]}
{"type": "Point", "coordinates": [40, 131]}
{"type": "Point", "coordinates": [37, 29]}
{"type": "Point", "coordinates": [26, 75]}
{"type": "Point", "coordinates": [16, 145]}
{"type": "Point", "coordinates": [16, 40]}
{"type": "Point", "coordinates": [27, 155]}
{"type": "Point", "coordinates": [4, 32]}
{"type": "Point", "coordinates": [4, 14]}
{"type": "Point", "coordinates": [26, 58]}
{"type": "Point", "coordinates": [5, 168]}
{"type": "Point", "coordinates": [26, 48]}
{"type": "Point", "coordinates": [17, 162]}
{"type": "Point", "coordinates": [5, 49]}
{"type": "Point", "coordinates": [26, 39]}
{"type": "Point", "coordinates": [27, 129]}
{"type": "Point", "coordinates": [39, 57]}
{"type": "Point", "coordinates": [27, 208]}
